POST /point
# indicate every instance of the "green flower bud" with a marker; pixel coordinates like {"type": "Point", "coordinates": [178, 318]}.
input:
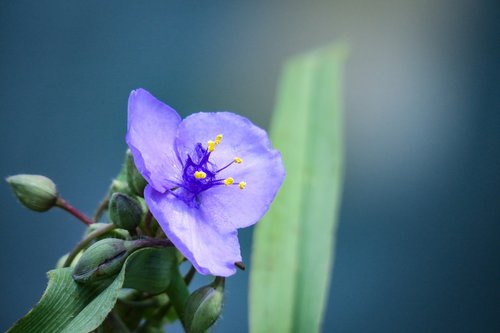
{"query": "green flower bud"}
{"type": "Point", "coordinates": [124, 211]}
{"type": "Point", "coordinates": [105, 258]}
{"type": "Point", "coordinates": [101, 260]}
{"type": "Point", "coordinates": [136, 182]}
{"type": "Point", "coordinates": [115, 233]}
{"type": "Point", "coordinates": [204, 306]}
{"type": "Point", "coordinates": [118, 186]}
{"type": "Point", "coordinates": [35, 192]}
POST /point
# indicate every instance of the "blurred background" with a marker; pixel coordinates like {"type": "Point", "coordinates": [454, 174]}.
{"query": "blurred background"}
{"type": "Point", "coordinates": [419, 240]}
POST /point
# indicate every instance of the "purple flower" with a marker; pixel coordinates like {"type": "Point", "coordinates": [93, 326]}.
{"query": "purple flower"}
{"type": "Point", "coordinates": [207, 175]}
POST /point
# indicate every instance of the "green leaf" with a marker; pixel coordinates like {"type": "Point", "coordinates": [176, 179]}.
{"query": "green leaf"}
{"type": "Point", "coordinates": [69, 307]}
{"type": "Point", "coordinates": [294, 243]}
{"type": "Point", "coordinates": [150, 269]}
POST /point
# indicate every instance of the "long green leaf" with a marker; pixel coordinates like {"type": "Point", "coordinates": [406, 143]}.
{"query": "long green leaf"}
{"type": "Point", "coordinates": [294, 244]}
{"type": "Point", "coordinates": [69, 307]}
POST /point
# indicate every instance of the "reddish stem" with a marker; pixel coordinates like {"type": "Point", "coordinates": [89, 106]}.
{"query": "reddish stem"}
{"type": "Point", "coordinates": [61, 203]}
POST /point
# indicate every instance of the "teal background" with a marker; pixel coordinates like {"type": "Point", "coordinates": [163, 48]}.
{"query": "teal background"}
{"type": "Point", "coordinates": [418, 245]}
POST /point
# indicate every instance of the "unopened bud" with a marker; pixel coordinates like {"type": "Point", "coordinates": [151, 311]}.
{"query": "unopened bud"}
{"type": "Point", "coordinates": [124, 211]}
{"type": "Point", "coordinates": [136, 182]}
{"type": "Point", "coordinates": [114, 233]}
{"type": "Point", "coordinates": [101, 260]}
{"type": "Point", "coordinates": [119, 186]}
{"type": "Point", "coordinates": [204, 306]}
{"type": "Point", "coordinates": [35, 192]}
{"type": "Point", "coordinates": [105, 258]}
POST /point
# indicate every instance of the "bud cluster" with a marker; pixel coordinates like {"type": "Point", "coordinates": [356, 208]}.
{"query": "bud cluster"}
{"type": "Point", "coordinates": [125, 226]}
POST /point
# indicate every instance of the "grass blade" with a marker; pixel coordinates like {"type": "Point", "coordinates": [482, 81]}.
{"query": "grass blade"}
{"type": "Point", "coordinates": [293, 245]}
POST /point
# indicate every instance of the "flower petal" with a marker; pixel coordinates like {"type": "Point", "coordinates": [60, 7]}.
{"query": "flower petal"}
{"type": "Point", "coordinates": [262, 168]}
{"type": "Point", "coordinates": [150, 136]}
{"type": "Point", "coordinates": [211, 249]}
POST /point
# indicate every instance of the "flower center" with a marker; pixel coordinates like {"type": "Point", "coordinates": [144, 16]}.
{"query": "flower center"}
{"type": "Point", "coordinates": [200, 174]}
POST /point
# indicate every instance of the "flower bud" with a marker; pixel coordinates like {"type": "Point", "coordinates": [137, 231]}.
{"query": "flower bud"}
{"type": "Point", "coordinates": [105, 258]}
{"type": "Point", "coordinates": [136, 182]}
{"type": "Point", "coordinates": [35, 192]}
{"type": "Point", "coordinates": [118, 186]}
{"type": "Point", "coordinates": [204, 306]}
{"type": "Point", "coordinates": [115, 233]}
{"type": "Point", "coordinates": [101, 260]}
{"type": "Point", "coordinates": [124, 211]}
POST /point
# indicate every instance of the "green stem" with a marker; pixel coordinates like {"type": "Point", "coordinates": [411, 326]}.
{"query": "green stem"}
{"type": "Point", "coordinates": [178, 293]}
{"type": "Point", "coordinates": [189, 275]}
{"type": "Point", "coordinates": [219, 282]}
{"type": "Point", "coordinates": [83, 243]}
{"type": "Point", "coordinates": [101, 208]}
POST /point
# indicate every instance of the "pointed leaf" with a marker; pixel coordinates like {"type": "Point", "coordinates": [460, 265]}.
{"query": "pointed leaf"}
{"type": "Point", "coordinates": [69, 307]}
{"type": "Point", "coordinates": [293, 245]}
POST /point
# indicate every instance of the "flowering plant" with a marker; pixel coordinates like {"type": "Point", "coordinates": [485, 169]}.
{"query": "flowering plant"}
{"type": "Point", "coordinates": [185, 189]}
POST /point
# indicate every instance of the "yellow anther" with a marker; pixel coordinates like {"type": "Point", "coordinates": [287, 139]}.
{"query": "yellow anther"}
{"type": "Point", "coordinates": [218, 138]}
{"type": "Point", "coordinates": [228, 181]}
{"type": "Point", "coordinates": [211, 146]}
{"type": "Point", "coordinates": [237, 160]}
{"type": "Point", "coordinates": [200, 175]}
{"type": "Point", "coordinates": [242, 185]}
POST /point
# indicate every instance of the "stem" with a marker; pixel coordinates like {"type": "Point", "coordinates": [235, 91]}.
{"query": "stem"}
{"type": "Point", "coordinates": [61, 203]}
{"type": "Point", "coordinates": [147, 223]}
{"type": "Point", "coordinates": [178, 293]}
{"type": "Point", "coordinates": [219, 283]}
{"type": "Point", "coordinates": [189, 275]}
{"type": "Point", "coordinates": [84, 242]}
{"type": "Point", "coordinates": [101, 208]}
{"type": "Point", "coordinates": [153, 242]}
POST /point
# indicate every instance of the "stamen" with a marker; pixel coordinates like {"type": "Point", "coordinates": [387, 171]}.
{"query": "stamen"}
{"type": "Point", "coordinates": [200, 175]}
{"type": "Point", "coordinates": [211, 146]}
{"type": "Point", "coordinates": [242, 185]}
{"type": "Point", "coordinates": [237, 160]}
{"type": "Point", "coordinates": [228, 181]}
{"type": "Point", "coordinates": [218, 138]}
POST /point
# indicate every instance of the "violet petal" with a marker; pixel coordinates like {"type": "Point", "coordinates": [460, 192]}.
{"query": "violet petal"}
{"type": "Point", "coordinates": [150, 136]}
{"type": "Point", "coordinates": [211, 249]}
